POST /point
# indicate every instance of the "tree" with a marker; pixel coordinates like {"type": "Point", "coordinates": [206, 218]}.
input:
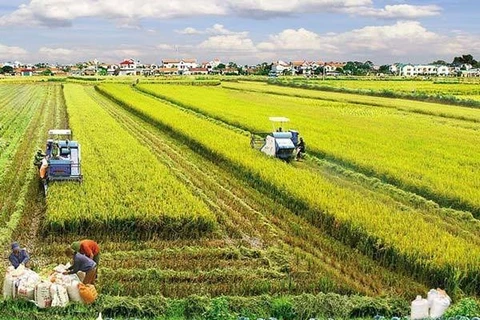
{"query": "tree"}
{"type": "Point", "coordinates": [464, 59]}
{"type": "Point", "coordinates": [319, 70]}
{"type": "Point", "coordinates": [384, 69]}
{"type": "Point", "coordinates": [221, 66]}
{"type": "Point", "coordinates": [47, 72]}
{"type": "Point", "coordinates": [264, 68]}
{"type": "Point", "coordinates": [102, 71]}
{"type": "Point", "coordinates": [368, 65]}
{"type": "Point", "coordinates": [440, 62]}
{"type": "Point", "coordinates": [357, 68]}
{"type": "Point", "coordinates": [7, 69]}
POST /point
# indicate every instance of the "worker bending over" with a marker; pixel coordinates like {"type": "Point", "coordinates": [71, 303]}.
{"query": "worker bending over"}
{"type": "Point", "coordinates": [300, 149]}
{"type": "Point", "coordinates": [89, 248]}
{"type": "Point", "coordinates": [18, 256]}
{"type": "Point", "coordinates": [82, 263]}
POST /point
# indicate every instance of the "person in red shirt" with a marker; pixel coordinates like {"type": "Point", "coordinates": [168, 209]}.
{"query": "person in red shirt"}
{"type": "Point", "coordinates": [88, 248]}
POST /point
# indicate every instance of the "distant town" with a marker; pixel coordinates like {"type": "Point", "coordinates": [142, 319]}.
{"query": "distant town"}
{"type": "Point", "coordinates": [461, 66]}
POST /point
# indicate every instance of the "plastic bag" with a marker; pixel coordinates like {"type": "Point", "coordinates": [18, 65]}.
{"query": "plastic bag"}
{"type": "Point", "coordinates": [87, 292]}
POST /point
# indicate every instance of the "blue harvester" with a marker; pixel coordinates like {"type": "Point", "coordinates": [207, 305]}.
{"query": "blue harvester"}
{"type": "Point", "coordinates": [279, 143]}
{"type": "Point", "coordinates": [61, 160]}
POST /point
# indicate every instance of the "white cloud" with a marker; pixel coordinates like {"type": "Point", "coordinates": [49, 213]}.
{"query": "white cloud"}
{"type": "Point", "coordinates": [189, 31]}
{"type": "Point", "coordinates": [219, 29]}
{"type": "Point", "coordinates": [166, 47]}
{"type": "Point", "coordinates": [269, 8]}
{"type": "Point", "coordinates": [11, 53]}
{"type": "Point", "coordinates": [399, 11]}
{"type": "Point", "coordinates": [129, 13]}
{"type": "Point", "coordinates": [407, 40]}
{"type": "Point", "coordinates": [55, 52]}
{"type": "Point", "coordinates": [54, 13]}
{"type": "Point", "coordinates": [216, 29]}
{"type": "Point", "coordinates": [290, 39]}
{"type": "Point", "coordinates": [128, 52]}
{"type": "Point", "coordinates": [228, 43]}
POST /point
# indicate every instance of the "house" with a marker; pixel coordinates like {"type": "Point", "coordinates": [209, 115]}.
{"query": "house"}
{"type": "Point", "coordinates": [407, 70]}
{"type": "Point", "coordinates": [300, 67]}
{"type": "Point", "coordinates": [331, 67]}
{"type": "Point", "coordinates": [230, 71]}
{"type": "Point", "coordinates": [316, 64]}
{"type": "Point", "coordinates": [410, 70]}
{"type": "Point", "coordinates": [211, 65]}
{"type": "Point", "coordinates": [113, 69]}
{"type": "Point", "coordinates": [26, 72]}
{"type": "Point", "coordinates": [443, 71]}
{"type": "Point", "coordinates": [470, 73]}
{"type": "Point", "coordinates": [166, 71]}
{"type": "Point", "coordinates": [127, 67]}
{"type": "Point", "coordinates": [394, 68]}
{"type": "Point", "coordinates": [182, 65]}
{"type": "Point", "coordinates": [149, 69]}
{"type": "Point", "coordinates": [89, 71]}
{"type": "Point", "coordinates": [280, 67]}
{"type": "Point", "coordinates": [198, 71]}
{"type": "Point", "coordinates": [75, 71]}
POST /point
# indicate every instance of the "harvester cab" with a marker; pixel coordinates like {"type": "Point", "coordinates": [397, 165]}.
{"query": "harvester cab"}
{"type": "Point", "coordinates": [61, 160]}
{"type": "Point", "coordinates": [278, 143]}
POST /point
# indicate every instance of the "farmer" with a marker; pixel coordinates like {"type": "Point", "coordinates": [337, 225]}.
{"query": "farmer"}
{"type": "Point", "coordinates": [89, 248]}
{"type": "Point", "coordinates": [300, 149]}
{"type": "Point", "coordinates": [18, 256]}
{"type": "Point", "coordinates": [82, 263]}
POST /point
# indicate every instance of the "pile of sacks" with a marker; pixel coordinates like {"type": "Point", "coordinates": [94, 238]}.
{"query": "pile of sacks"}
{"type": "Point", "coordinates": [56, 290]}
{"type": "Point", "coordinates": [434, 306]}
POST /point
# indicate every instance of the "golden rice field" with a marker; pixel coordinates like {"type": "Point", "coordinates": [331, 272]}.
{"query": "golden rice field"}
{"type": "Point", "coordinates": [456, 87]}
{"type": "Point", "coordinates": [414, 151]}
{"type": "Point", "coordinates": [125, 188]}
{"type": "Point", "coordinates": [194, 223]}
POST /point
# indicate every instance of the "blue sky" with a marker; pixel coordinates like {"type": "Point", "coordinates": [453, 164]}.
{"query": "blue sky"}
{"type": "Point", "coordinates": [244, 31]}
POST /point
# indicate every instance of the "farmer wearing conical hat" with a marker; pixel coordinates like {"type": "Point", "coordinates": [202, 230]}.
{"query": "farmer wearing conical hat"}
{"type": "Point", "coordinates": [19, 256]}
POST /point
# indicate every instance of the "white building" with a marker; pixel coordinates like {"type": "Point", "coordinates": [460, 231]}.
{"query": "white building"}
{"type": "Point", "coordinates": [410, 70]}
{"type": "Point", "coordinates": [280, 67]}
{"type": "Point", "coordinates": [128, 67]}
{"type": "Point", "coordinates": [443, 71]}
{"type": "Point", "coordinates": [393, 69]}
{"type": "Point", "coordinates": [181, 65]}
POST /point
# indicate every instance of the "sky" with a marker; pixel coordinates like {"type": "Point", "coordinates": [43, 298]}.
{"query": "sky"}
{"type": "Point", "coordinates": [242, 31]}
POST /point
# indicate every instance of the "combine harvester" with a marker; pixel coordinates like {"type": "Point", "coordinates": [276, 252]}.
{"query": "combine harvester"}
{"type": "Point", "coordinates": [61, 160]}
{"type": "Point", "coordinates": [279, 143]}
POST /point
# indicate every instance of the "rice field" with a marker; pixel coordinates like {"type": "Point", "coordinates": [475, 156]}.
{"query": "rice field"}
{"type": "Point", "coordinates": [192, 220]}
